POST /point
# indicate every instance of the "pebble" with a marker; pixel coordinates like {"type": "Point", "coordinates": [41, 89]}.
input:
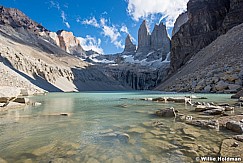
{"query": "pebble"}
{"type": "Point", "coordinates": [235, 144]}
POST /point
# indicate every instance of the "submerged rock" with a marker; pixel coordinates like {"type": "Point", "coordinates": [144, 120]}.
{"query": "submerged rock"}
{"type": "Point", "coordinates": [213, 124]}
{"type": "Point", "coordinates": [215, 111]}
{"type": "Point", "coordinates": [235, 126]}
{"type": "Point", "coordinates": [223, 120]}
{"type": "Point", "coordinates": [191, 153]}
{"type": "Point", "coordinates": [137, 130]}
{"type": "Point", "coordinates": [2, 160]}
{"type": "Point", "coordinates": [43, 150]}
{"type": "Point", "coordinates": [123, 137]}
{"type": "Point", "coordinates": [229, 150]}
{"type": "Point", "coordinates": [168, 112]}
{"type": "Point", "coordinates": [191, 132]}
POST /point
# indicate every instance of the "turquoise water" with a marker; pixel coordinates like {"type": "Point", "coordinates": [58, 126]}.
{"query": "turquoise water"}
{"type": "Point", "coordinates": [91, 131]}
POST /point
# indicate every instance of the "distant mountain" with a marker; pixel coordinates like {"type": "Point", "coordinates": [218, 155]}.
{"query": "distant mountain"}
{"type": "Point", "coordinates": [139, 68]}
{"type": "Point", "coordinates": [31, 59]}
{"type": "Point", "coordinates": [34, 58]}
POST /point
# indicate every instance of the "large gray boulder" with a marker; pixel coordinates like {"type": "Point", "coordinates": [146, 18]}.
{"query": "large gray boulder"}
{"type": "Point", "coordinates": [235, 126]}
{"type": "Point", "coordinates": [168, 112]}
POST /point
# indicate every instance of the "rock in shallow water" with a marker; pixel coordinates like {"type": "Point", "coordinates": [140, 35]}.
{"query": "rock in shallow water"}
{"type": "Point", "coordinates": [214, 111]}
{"type": "Point", "coordinates": [22, 100]}
{"type": "Point", "coordinates": [122, 137]}
{"type": "Point", "coordinates": [137, 130]}
{"type": "Point", "coordinates": [191, 132]}
{"type": "Point", "coordinates": [43, 150]}
{"type": "Point", "coordinates": [213, 124]}
{"type": "Point", "coordinates": [168, 112]}
{"type": "Point", "coordinates": [235, 126]}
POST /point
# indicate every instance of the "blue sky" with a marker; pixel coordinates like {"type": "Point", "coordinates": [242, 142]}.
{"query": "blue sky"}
{"type": "Point", "coordinates": [101, 25]}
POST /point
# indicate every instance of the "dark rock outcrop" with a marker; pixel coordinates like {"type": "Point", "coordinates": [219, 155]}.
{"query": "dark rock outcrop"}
{"type": "Point", "coordinates": [238, 95]}
{"type": "Point", "coordinates": [205, 20]}
{"type": "Point", "coordinates": [235, 15]}
{"type": "Point", "coordinates": [182, 19]}
{"type": "Point", "coordinates": [144, 38]}
{"type": "Point", "coordinates": [16, 19]}
{"type": "Point", "coordinates": [129, 46]}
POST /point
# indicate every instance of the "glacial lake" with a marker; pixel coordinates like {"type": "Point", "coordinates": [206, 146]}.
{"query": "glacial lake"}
{"type": "Point", "coordinates": [105, 127]}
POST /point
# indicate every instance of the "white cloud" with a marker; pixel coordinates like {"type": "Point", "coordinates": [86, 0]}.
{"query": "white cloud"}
{"type": "Point", "coordinates": [91, 43]}
{"type": "Point", "coordinates": [67, 25]}
{"type": "Point", "coordinates": [64, 18]}
{"type": "Point", "coordinates": [54, 5]}
{"type": "Point", "coordinates": [110, 31]}
{"type": "Point", "coordinates": [168, 9]}
{"type": "Point", "coordinates": [103, 21]}
{"type": "Point", "coordinates": [124, 29]}
{"type": "Point", "coordinates": [113, 33]}
{"type": "Point", "coordinates": [92, 21]}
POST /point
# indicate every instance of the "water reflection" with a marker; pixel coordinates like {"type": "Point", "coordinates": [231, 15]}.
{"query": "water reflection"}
{"type": "Point", "coordinates": [58, 105]}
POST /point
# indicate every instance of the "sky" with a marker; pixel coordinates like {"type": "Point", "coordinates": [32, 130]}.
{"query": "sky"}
{"type": "Point", "coordinates": [100, 25]}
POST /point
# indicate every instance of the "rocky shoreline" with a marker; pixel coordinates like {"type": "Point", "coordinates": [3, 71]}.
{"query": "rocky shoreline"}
{"type": "Point", "coordinates": [222, 117]}
{"type": "Point", "coordinates": [14, 97]}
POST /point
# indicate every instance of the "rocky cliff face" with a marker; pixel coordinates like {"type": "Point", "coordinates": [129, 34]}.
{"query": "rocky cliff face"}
{"type": "Point", "coordinates": [152, 46]}
{"type": "Point", "coordinates": [207, 20]}
{"type": "Point", "coordinates": [235, 15]}
{"type": "Point", "coordinates": [144, 40]}
{"type": "Point", "coordinates": [17, 19]}
{"type": "Point", "coordinates": [68, 42]}
{"type": "Point", "coordinates": [17, 26]}
{"type": "Point", "coordinates": [129, 46]}
{"type": "Point", "coordinates": [147, 66]}
{"type": "Point", "coordinates": [182, 19]}
{"type": "Point", "coordinates": [160, 39]}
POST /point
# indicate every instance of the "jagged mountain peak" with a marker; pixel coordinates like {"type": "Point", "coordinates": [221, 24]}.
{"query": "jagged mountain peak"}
{"type": "Point", "coordinates": [129, 46]}
{"type": "Point", "coordinates": [16, 19]}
